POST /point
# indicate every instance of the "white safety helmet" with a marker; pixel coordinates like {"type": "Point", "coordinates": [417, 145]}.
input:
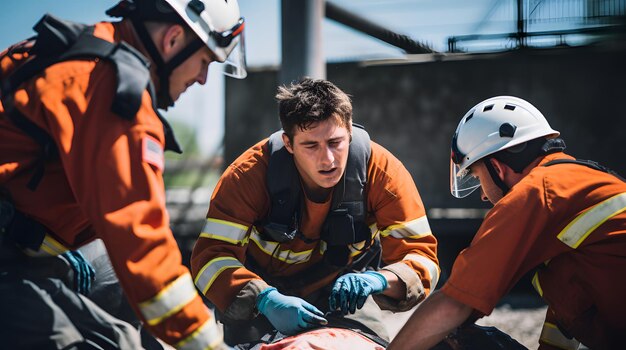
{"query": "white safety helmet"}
{"type": "Point", "coordinates": [217, 23]}
{"type": "Point", "coordinates": [491, 126]}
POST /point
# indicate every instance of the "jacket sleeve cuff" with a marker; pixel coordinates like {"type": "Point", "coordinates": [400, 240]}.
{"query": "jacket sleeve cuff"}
{"type": "Point", "coordinates": [414, 289]}
{"type": "Point", "coordinates": [244, 306]}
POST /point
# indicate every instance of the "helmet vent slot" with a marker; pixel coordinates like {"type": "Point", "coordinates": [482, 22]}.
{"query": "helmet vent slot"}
{"type": "Point", "coordinates": [509, 107]}
{"type": "Point", "coordinates": [488, 108]}
{"type": "Point", "coordinates": [469, 117]}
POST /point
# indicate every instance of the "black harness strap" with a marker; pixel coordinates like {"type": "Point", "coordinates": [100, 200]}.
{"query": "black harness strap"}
{"type": "Point", "coordinates": [59, 41]}
{"type": "Point", "coordinates": [283, 181]}
{"type": "Point", "coordinates": [345, 223]}
{"type": "Point", "coordinates": [588, 163]}
{"type": "Point", "coordinates": [349, 197]}
{"type": "Point", "coordinates": [283, 185]}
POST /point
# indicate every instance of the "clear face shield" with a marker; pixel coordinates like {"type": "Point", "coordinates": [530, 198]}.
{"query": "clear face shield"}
{"type": "Point", "coordinates": [235, 64]}
{"type": "Point", "coordinates": [233, 39]}
{"type": "Point", "coordinates": [462, 182]}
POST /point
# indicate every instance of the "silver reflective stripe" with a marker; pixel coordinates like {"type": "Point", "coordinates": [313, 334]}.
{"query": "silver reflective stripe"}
{"type": "Point", "coordinates": [170, 300]}
{"type": "Point", "coordinates": [430, 265]}
{"type": "Point", "coordinates": [207, 336]}
{"type": "Point", "coordinates": [288, 256]}
{"type": "Point", "coordinates": [224, 231]}
{"type": "Point", "coordinates": [550, 334]}
{"type": "Point", "coordinates": [414, 229]}
{"type": "Point", "coordinates": [581, 227]}
{"type": "Point", "coordinates": [209, 272]}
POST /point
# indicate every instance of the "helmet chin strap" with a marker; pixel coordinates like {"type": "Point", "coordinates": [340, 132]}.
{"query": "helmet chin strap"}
{"type": "Point", "coordinates": [496, 179]}
{"type": "Point", "coordinates": [518, 162]}
{"type": "Point", "coordinates": [163, 69]}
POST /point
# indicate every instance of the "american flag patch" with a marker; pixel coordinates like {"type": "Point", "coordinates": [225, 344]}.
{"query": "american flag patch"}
{"type": "Point", "coordinates": [152, 152]}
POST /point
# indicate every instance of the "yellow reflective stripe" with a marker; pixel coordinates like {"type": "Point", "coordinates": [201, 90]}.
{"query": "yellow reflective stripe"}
{"type": "Point", "coordinates": [323, 247]}
{"type": "Point", "coordinates": [47, 250]}
{"type": "Point", "coordinates": [288, 256]}
{"type": "Point", "coordinates": [430, 266]}
{"type": "Point", "coordinates": [49, 247]}
{"type": "Point", "coordinates": [53, 245]}
{"type": "Point", "coordinates": [209, 272]}
{"type": "Point", "coordinates": [414, 229]}
{"type": "Point", "coordinates": [582, 226]}
{"type": "Point", "coordinates": [536, 284]}
{"type": "Point", "coordinates": [207, 336]}
{"type": "Point", "coordinates": [357, 248]}
{"type": "Point", "coordinates": [169, 300]}
{"type": "Point", "coordinates": [224, 231]}
{"type": "Point", "coordinates": [374, 229]}
{"type": "Point", "coordinates": [551, 334]}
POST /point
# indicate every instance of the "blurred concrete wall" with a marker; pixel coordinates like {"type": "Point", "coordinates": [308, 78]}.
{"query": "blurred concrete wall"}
{"type": "Point", "coordinates": [412, 108]}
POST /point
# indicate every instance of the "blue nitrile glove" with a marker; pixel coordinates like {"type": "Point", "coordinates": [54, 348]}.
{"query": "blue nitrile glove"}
{"type": "Point", "coordinates": [352, 289]}
{"type": "Point", "coordinates": [289, 315]}
{"type": "Point", "coordinates": [83, 271]}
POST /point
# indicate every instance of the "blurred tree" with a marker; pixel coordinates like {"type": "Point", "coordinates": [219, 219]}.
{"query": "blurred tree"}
{"type": "Point", "coordinates": [188, 140]}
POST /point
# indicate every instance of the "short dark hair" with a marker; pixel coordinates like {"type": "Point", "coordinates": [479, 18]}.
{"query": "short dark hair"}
{"type": "Point", "coordinates": [309, 101]}
{"type": "Point", "coordinates": [520, 156]}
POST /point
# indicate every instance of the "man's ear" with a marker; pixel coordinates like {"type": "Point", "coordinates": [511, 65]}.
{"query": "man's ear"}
{"type": "Point", "coordinates": [287, 143]}
{"type": "Point", "coordinates": [501, 169]}
{"type": "Point", "coordinates": [173, 41]}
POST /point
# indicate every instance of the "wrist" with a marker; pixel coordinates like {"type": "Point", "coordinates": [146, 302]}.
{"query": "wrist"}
{"type": "Point", "coordinates": [262, 299]}
{"type": "Point", "coordinates": [380, 277]}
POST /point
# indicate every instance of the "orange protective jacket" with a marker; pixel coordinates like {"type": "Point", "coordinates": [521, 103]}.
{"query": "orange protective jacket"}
{"type": "Point", "coordinates": [241, 199]}
{"type": "Point", "coordinates": [568, 222]}
{"type": "Point", "coordinates": [106, 183]}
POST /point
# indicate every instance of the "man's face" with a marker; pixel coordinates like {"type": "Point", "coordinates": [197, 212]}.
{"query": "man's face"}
{"type": "Point", "coordinates": [489, 191]}
{"type": "Point", "coordinates": [320, 153]}
{"type": "Point", "coordinates": [193, 70]}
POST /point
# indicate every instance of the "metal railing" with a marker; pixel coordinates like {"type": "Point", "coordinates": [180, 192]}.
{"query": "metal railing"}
{"type": "Point", "coordinates": [556, 19]}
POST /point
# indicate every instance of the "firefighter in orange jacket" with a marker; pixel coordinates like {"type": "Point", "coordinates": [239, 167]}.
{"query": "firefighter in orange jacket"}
{"type": "Point", "coordinates": [562, 217]}
{"type": "Point", "coordinates": [81, 158]}
{"type": "Point", "coordinates": [245, 265]}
